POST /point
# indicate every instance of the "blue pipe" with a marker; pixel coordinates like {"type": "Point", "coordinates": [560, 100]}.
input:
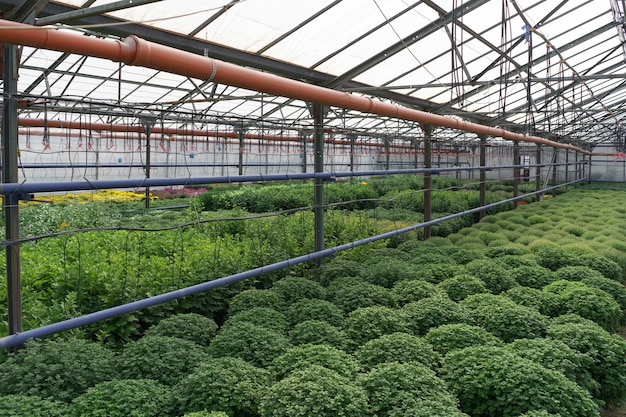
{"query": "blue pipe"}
{"type": "Point", "coordinates": [44, 187]}
{"type": "Point", "coordinates": [21, 338]}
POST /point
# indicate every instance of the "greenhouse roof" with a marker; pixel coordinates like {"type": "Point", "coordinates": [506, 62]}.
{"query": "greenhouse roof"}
{"type": "Point", "coordinates": [549, 68]}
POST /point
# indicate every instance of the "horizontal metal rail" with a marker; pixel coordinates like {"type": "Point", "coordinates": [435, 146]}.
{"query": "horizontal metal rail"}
{"type": "Point", "coordinates": [91, 318]}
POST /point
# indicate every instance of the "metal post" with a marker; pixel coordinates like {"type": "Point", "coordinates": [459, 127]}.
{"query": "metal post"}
{"type": "Point", "coordinates": [417, 151]}
{"type": "Point", "coordinates": [304, 143]}
{"type": "Point", "coordinates": [516, 163]}
{"type": "Point", "coordinates": [352, 139]}
{"type": "Point", "coordinates": [576, 170]}
{"type": "Point", "coordinates": [555, 159]}
{"type": "Point", "coordinates": [240, 136]}
{"type": "Point", "coordinates": [483, 175]}
{"type": "Point", "coordinates": [566, 166]}
{"type": "Point", "coordinates": [10, 148]}
{"type": "Point", "coordinates": [428, 132]}
{"type": "Point", "coordinates": [538, 172]}
{"type": "Point", "coordinates": [148, 124]}
{"type": "Point", "coordinates": [318, 117]}
{"type": "Point", "coordinates": [589, 170]}
{"type": "Point", "coordinates": [387, 152]}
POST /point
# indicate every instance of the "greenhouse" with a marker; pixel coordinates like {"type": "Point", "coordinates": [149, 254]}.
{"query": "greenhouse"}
{"type": "Point", "coordinates": [272, 208]}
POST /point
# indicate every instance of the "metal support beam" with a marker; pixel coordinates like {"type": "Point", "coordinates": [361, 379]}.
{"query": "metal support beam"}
{"type": "Point", "coordinates": [516, 163]}
{"type": "Point", "coordinates": [483, 175]}
{"type": "Point", "coordinates": [148, 124]}
{"type": "Point", "coordinates": [555, 159]}
{"type": "Point", "coordinates": [428, 182]}
{"type": "Point", "coordinates": [318, 119]}
{"type": "Point", "coordinates": [10, 175]}
{"type": "Point", "coordinates": [538, 172]}
{"type": "Point", "coordinates": [242, 146]}
{"type": "Point", "coordinates": [92, 11]}
{"type": "Point", "coordinates": [352, 139]}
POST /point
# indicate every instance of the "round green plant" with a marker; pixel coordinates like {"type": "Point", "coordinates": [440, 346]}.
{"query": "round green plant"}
{"type": "Point", "coordinates": [303, 356]}
{"type": "Point", "coordinates": [338, 268]}
{"type": "Point", "coordinates": [252, 298]}
{"type": "Point", "coordinates": [188, 326]}
{"type": "Point", "coordinates": [314, 392]}
{"type": "Point", "coordinates": [292, 289]}
{"type": "Point", "coordinates": [495, 274]}
{"type": "Point", "coordinates": [352, 294]}
{"type": "Point", "coordinates": [449, 337]}
{"type": "Point", "coordinates": [368, 323]}
{"type": "Point", "coordinates": [396, 347]}
{"type": "Point", "coordinates": [31, 406]}
{"type": "Point", "coordinates": [385, 271]}
{"type": "Point", "coordinates": [319, 333]}
{"type": "Point", "coordinates": [427, 313]}
{"type": "Point", "coordinates": [460, 286]}
{"type": "Point", "coordinates": [405, 292]}
{"type": "Point", "coordinates": [314, 309]}
{"type": "Point", "coordinates": [260, 316]}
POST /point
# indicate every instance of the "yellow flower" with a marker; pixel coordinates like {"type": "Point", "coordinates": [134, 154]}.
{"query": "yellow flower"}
{"type": "Point", "coordinates": [363, 183]}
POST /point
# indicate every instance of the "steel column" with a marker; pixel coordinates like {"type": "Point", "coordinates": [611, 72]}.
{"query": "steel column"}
{"type": "Point", "coordinates": [516, 163]}
{"type": "Point", "coordinates": [428, 183]}
{"type": "Point", "coordinates": [483, 175]}
{"type": "Point", "coordinates": [318, 120]}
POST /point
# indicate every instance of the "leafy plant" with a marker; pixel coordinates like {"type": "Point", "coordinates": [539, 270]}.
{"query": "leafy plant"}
{"type": "Point", "coordinates": [338, 268]}
{"type": "Point", "coordinates": [292, 289]}
{"type": "Point", "coordinates": [550, 255]}
{"type": "Point", "coordinates": [396, 347]}
{"type": "Point", "coordinates": [495, 274]}
{"type": "Point", "coordinates": [206, 414]}
{"type": "Point", "coordinates": [251, 298]}
{"type": "Point", "coordinates": [393, 386]}
{"type": "Point", "coordinates": [31, 406]}
{"type": "Point", "coordinates": [602, 264]}
{"type": "Point", "coordinates": [229, 385]}
{"type": "Point", "coordinates": [544, 302]}
{"type": "Point", "coordinates": [161, 358]}
{"type": "Point", "coordinates": [368, 323]}
{"type": "Point", "coordinates": [259, 316]}
{"type": "Point", "coordinates": [491, 381]}
{"type": "Point", "coordinates": [121, 398]}
{"type": "Point", "coordinates": [317, 332]}
{"type": "Point", "coordinates": [504, 318]}
{"type": "Point", "coordinates": [188, 326]}
{"type": "Point", "coordinates": [255, 344]}
{"type": "Point", "coordinates": [386, 271]}
{"type": "Point", "coordinates": [350, 294]}
{"type": "Point", "coordinates": [314, 392]}
{"type": "Point", "coordinates": [314, 309]}
{"type": "Point", "coordinates": [533, 276]}
{"type": "Point", "coordinates": [303, 356]}
{"type": "Point", "coordinates": [56, 369]}
{"type": "Point", "coordinates": [431, 312]}
{"type": "Point", "coordinates": [460, 286]}
{"type": "Point", "coordinates": [448, 337]}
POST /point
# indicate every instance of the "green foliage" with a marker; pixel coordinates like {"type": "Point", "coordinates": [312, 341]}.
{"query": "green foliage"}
{"type": "Point", "coordinates": [396, 385]}
{"type": "Point", "coordinates": [338, 268]}
{"type": "Point", "coordinates": [396, 347]}
{"type": "Point", "coordinates": [224, 384]}
{"type": "Point", "coordinates": [588, 302]}
{"type": "Point", "coordinates": [251, 298]}
{"type": "Point", "coordinates": [448, 337]}
{"type": "Point", "coordinates": [260, 316]}
{"type": "Point", "coordinates": [544, 302]}
{"type": "Point", "coordinates": [495, 274]}
{"type": "Point", "coordinates": [255, 344]}
{"type": "Point", "coordinates": [602, 264]}
{"type": "Point", "coordinates": [550, 255]}
{"type": "Point", "coordinates": [206, 414]}
{"type": "Point", "coordinates": [304, 356]}
{"type": "Point", "coordinates": [292, 289]}
{"type": "Point", "coordinates": [577, 273]}
{"type": "Point", "coordinates": [504, 318]}
{"type": "Point", "coordinates": [368, 323]}
{"type": "Point", "coordinates": [405, 292]}
{"type": "Point", "coordinates": [607, 352]}
{"type": "Point", "coordinates": [31, 406]}
{"type": "Point", "coordinates": [417, 407]}
{"type": "Point", "coordinates": [189, 326]}
{"type": "Point", "coordinates": [436, 273]}
{"type": "Point", "coordinates": [612, 287]}
{"type": "Point", "coordinates": [461, 286]}
{"type": "Point", "coordinates": [539, 414]}
{"type": "Point", "coordinates": [533, 276]}
{"type": "Point", "coordinates": [56, 369]}
{"type": "Point", "coordinates": [317, 332]}
{"type": "Point", "coordinates": [350, 294]}
{"type": "Point", "coordinates": [314, 309]}
{"type": "Point", "coordinates": [314, 392]}
{"type": "Point", "coordinates": [431, 312]}
{"type": "Point", "coordinates": [161, 358]}
{"type": "Point", "coordinates": [555, 354]}
{"type": "Point", "coordinates": [385, 271]}
{"type": "Point", "coordinates": [122, 398]}
{"type": "Point", "coordinates": [491, 381]}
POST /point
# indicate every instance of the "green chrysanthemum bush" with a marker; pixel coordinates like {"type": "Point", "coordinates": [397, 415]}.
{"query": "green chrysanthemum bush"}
{"type": "Point", "coordinates": [338, 268]}
{"type": "Point", "coordinates": [260, 316]}
{"type": "Point", "coordinates": [395, 386]}
{"type": "Point", "coordinates": [444, 339]}
{"type": "Point", "coordinates": [577, 273]}
{"type": "Point", "coordinates": [385, 271]}
{"type": "Point", "coordinates": [544, 302]}
{"type": "Point", "coordinates": [304, 356]}
{"type": "Point", "coordinates": [350, 294]}
{"type": "Point", "coordinates": [292, 289]}
{"type": "Point", "coordinates": [550, 255]}
{"type": "Point", "coordinates": [435, 273]}
{"type": "Point", "coordinates": [602, 264]}
{"type": "Point", "coordinates": [533, 276]}
{"type": "Point", "coordinates": [314, 392]}
{"type": "Point", "coordinates": [161, 358]}
{"type": "Point", "coordinates": [255, 344]}
{"type": "Point", "coordinates": [368, 323]}
{"type": "Point", "coordinates": [494, 273]}
{"type": "Point", "coordinates": [504, 318]}
{"type": "Point", "coordinates": [230, 385]}
{"type": "Point", "coordinates": [125, 397]}
{"type": "Point", "coordinates": [188, 326]}
{"type": "Point", "coordinates": [314, 309]}
{"type": "Point", "coordinates": [588, 302]}
{"type": "Point", "coordinates": [251, 298]}
{"type": "Point", "coordinates": [31, 406]}
{"type": "Point", "coordinates": [427, 313]}
{"type": "Point", "coordinates": [612, 287]}
{"type": "Point", "coordinates": [539, 414]}
{"type": "Point", "coordinates": [206, 414]}
{"type": "Point", "coordinates": [607, 352]}
{"type": "Point", "coordinates": [57, 369]}
{"type": "Point", "coordinates": [396, 347]}
{"type": "Point", "coordinates": [556, 355]}
{"type": "Point", "coordinates": [405, 292]}
{"type": "Point", "coordinates": [460, 286]}
{"type": "Point", "coordinates": [492, 381]}
{"type": "Point", "coordinates": [319, 333]}
{"type": "Point", "coordinates": [417, 407]}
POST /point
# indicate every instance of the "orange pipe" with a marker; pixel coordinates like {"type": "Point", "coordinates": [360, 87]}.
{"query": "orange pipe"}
{"type": "Point", "coordinates": [139, 52]}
